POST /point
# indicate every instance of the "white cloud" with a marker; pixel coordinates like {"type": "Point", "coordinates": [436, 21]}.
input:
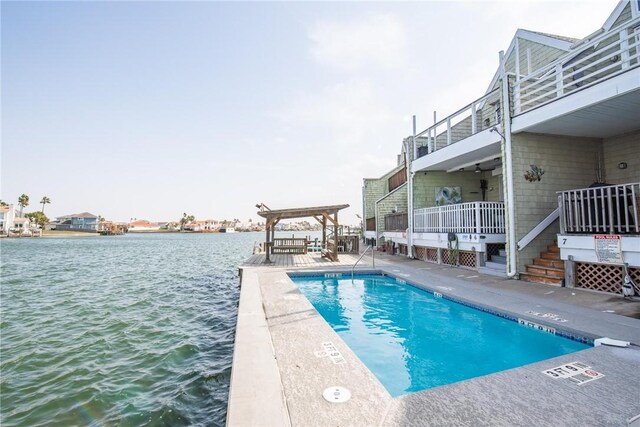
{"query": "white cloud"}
{"type": "Point", "coordinates": [375, 40]}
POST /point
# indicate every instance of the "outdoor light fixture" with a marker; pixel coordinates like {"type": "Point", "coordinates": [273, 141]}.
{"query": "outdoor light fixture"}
{"type": "Point", "coordinates": [478, 170]}
{"type": "Point", "coordinates": [495, 129]}
{"type": "Point", "coordinates": [622, 165]}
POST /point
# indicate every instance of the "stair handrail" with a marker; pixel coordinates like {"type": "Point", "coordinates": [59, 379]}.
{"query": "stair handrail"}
{"type": "Point", "coordinates": [373, 258]}
{"type": "Point", "coordinates": [535, 231]}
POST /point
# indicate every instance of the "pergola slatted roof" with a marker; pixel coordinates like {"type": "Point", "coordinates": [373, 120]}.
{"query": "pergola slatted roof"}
{"type": "Point", "coordinates": [301, 212]}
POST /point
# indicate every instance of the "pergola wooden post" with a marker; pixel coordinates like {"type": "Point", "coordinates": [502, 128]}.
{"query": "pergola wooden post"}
{"type": "Point", "coordinates": [322, 214]}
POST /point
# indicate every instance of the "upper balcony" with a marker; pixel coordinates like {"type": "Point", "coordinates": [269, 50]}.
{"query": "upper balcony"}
{"type": "Point", "coordinates": [598, 78]}
{"type": "Point", "coordinates": [462, 139]}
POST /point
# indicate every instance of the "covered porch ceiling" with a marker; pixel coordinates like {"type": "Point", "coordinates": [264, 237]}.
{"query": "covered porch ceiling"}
{"type": "Point", "coordinates": [482, 148]}
{"type": "Point", "coordinates": [605, 110]}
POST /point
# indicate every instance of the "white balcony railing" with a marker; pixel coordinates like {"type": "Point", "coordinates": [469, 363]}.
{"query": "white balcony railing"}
{"type": "Point", "coordinates": [607, 55]}
{"type": "Point", "coordinates": [608, 210]}
{"type": "Point", "coordinates": [481, 114]}
{"type": "Point", "coordinates": [473, 217]}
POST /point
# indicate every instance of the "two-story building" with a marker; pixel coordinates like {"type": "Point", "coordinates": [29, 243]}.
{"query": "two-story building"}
{"type": "Point", "coordinates": [84, 221]}
{"type": "Point", "coordinates": [527, 179]}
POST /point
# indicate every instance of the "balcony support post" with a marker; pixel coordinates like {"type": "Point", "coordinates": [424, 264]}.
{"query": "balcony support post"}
{"type": "Point", "coordinates": [512, 269]}
{"type": "Point", "coordinates": [409, 167]}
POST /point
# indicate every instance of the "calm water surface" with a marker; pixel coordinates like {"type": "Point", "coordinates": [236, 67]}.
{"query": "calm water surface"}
{"type": "Point", "coordinates": [121, 330]}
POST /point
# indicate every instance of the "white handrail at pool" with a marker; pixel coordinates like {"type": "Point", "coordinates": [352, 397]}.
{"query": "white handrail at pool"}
{"type": "Point", "coordinates": [373, 258]}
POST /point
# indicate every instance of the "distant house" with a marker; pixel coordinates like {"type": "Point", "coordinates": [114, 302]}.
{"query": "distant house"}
{"type": "Point", "coordinates": [10, 222]}
{"type": "Point", "coordinates": [169, 225]}
{"type": "Point", "coordinates": [142, 225]}
{"type": "Point", "coordinates": [84, 221]}
{"type": "Point", "coordinates": [7, 216]}
{"type": "Point", "coordinates": [202, 226]}
{"type": "Point", "coordinates": [20, 225]}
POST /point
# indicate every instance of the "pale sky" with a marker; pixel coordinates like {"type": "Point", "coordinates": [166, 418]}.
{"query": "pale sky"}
{"type": "Point", "coordinates": [150, 109]}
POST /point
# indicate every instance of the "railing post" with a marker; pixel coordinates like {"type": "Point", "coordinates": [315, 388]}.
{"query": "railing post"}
{"type": "Point", "coordinates": [610, 209]}
{"type": "Point", "coordinates": [473, 119]}
{"type": "Point", "coordinates": [563, 227]}
{"type": "Point", "coordinates": [516, 97]}
{"type": "Point", "coordinates": [478, 221]}
{"type": "Point", "coordinates": [624, 48]}
{"type": "Point", "coordinates": [559, 81]}
{"type": "Point", "coordinates": [440, 222]}
{"type": "Point", "coordinates": [634, 203]}
{"type": "Point", "coordinates": [449, 131]}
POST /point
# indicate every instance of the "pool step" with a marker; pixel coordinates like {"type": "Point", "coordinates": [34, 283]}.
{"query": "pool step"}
{"type": "Point", "coordinates": [548, 269]}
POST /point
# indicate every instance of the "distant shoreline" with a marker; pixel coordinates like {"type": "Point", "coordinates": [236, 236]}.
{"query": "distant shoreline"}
{"type": "Point", "coordinates": [64, 233]}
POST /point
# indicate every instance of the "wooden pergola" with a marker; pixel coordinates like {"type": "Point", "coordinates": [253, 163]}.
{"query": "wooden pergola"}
{"type": "Point", "coordinates": [322, 214]}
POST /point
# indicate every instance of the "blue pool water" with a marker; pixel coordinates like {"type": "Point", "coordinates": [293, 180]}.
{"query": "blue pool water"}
{"type": "Point", "coordinates": [412, 340]}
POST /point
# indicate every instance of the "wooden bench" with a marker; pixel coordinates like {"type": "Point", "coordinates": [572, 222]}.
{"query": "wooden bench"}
{"type": "Point", "coordinates": [290, 249]}
{"type": "Point", "coordinates": [291, 245]}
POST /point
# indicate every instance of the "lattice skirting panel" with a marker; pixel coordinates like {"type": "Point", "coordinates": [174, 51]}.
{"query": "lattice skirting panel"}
{"type": "Point", "coordinates": [426, 254]}
{"type": "Point", "coordinates": [602, 277]}
{"type": "Point", "coordinates": [465, 259]}
{"type": "Point", "coordinates": [420, 252]}
{"type": "Point", "coordinates": [432, 254]}
{"type": "Point", "coordinates": [402, 249]}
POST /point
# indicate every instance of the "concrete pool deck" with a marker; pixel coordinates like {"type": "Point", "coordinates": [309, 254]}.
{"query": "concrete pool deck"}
{"type": "Point", "coordinates": [281, 365]}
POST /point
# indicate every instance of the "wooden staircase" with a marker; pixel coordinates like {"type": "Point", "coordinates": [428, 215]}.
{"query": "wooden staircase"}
{"type": "Point", "coordinates": [548, 269]}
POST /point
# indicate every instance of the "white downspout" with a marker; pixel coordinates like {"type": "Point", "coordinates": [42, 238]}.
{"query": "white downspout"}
{"type": "Point", "coordinates": [511, 212]}
{"type": "Point", "coordinates": [377, 237]}
{"type": "Point", "coordinates": [409, 162]}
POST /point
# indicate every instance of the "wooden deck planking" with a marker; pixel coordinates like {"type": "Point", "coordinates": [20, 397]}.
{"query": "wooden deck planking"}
{"type": "Point", "coordinates": [311, 259]}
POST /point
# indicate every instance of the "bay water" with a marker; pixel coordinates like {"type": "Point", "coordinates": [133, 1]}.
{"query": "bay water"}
{"type": "Point", "coordinates": [120, 330]}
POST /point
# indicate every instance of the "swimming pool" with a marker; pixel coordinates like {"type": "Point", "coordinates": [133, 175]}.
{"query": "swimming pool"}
{"type": "Point", "coordinates": [414, 340]}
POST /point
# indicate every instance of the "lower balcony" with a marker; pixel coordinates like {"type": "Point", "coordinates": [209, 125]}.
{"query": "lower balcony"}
{"type": "Point", "coordinates": [469, 235]}
{"type": "Point", "coordinates": [472, 217]}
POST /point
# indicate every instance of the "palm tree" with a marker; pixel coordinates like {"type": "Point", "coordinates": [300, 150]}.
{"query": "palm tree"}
{"type": "Point", "coordinates": [45, 201]}
{"type": "Point", "coordinates": [23, 201]}
{"type": "Point", "coordinates": [3, 204]}
{"type": "Point", "coordinates": [185, 220]}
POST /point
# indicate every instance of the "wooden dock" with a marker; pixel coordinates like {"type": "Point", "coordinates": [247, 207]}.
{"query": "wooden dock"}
{"type": "Point", "coordinates": [310, 259]}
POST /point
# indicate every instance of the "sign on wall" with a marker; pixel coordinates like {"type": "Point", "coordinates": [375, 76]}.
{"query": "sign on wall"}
{"type": "Point", "coordinates": [608, 249]}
